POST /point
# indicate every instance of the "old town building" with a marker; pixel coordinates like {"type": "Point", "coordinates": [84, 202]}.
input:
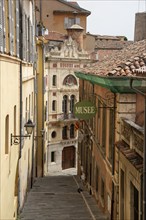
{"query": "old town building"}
{"type": "Point", "coordinates": [17, 47]}
{"type": "Point", "coordinates": [111, 161]}
{"type": "Point", "coordinates": [58, 15]}
{"type": "Point", "coordinates": [63, 56]}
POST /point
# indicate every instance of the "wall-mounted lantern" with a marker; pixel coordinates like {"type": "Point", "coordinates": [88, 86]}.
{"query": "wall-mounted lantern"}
{"type": "Point", "coordinates": [15, 139]}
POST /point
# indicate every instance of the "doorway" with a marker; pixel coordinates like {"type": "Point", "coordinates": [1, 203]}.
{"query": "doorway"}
{"type": "Point", "coordinates": [68, 157]}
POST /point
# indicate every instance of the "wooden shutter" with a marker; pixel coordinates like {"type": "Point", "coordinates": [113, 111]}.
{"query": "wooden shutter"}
{"type": "Point", "coordinates": [1, 26]}
{"type": "Point", "coordinates": [4, 26]}
{"type": "Point", "coordinates": [24, 35]}
{"type": "Point", "coordinates": [31, 43]}
{"type": "Point", "coordinates": [10, 26]}
{"type": "Point", "coordinates": [27, 38]}
{"type": "Point", "coordinates": [17, 29]}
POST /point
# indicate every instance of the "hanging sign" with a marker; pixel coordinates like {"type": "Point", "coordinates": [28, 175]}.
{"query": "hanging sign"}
{"type": "Point", "coordinates": [84, 110]}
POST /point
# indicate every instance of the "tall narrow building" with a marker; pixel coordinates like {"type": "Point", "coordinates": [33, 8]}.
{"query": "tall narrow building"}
{"type": "Point", "coordinates": [62, 60]}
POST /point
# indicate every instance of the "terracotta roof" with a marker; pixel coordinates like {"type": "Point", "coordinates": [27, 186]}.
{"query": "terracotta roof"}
{"type": "Point", "coordinates": [75, 6]}
{"type": "Point", "coordinates": [121, 63]}
{"type": "Point", "coordinates": [131, 155]}
{"type": "Point", "coordinates": [111, 44]}
{"type": "Point", "coordinates": [55, 36]}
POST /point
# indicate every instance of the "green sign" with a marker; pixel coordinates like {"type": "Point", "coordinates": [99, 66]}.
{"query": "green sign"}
{"type": "Point", "coordinates": [84, 110]}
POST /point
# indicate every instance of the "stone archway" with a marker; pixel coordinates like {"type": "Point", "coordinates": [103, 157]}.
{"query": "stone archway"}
{"type": "Point", "coordinates": [68, 157]}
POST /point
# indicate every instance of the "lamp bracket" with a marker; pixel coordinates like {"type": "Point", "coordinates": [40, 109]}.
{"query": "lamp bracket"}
{"type": "Point", "coordinates": [15, 139]}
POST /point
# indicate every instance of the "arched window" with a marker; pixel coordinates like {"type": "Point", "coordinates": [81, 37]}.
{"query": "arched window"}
{"type": "Point", "coordinates": [64, 104]}
{"type": "Point", "coordinates": [54, 105]}
{"type": "Point", "coordinates": [15, 119]}
{"type": "Point", "coordinates": [53, 134]}
{"type": "Point", "coordinates": [70, 80]}
{"type": "Point", "coordinates": [54, 80]}
{"type": "Point", "coordinates": [64, 132]}
{"type": "Point", "coordinates": [72, 131]}
{"type": "Point", "coordinates": [72, 102]}
{"type": "Point", "coordinates": [7, 134]}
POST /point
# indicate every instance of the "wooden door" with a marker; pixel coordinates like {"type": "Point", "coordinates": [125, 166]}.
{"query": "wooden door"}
{"type": "Point", "coordinates": [68, 157]}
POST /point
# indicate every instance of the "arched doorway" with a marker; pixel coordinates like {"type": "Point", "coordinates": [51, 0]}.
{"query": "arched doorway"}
{"type": "Point", "coordinates": [68, 157]}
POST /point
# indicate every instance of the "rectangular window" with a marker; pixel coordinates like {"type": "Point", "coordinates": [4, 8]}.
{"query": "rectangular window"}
{"type": "Point", "coordinates": [111, 127]}
{"type": "Point", "coordinates": [134, 202]}
{"type": "Point", "coordinates": [1, 26]}
{"type": "Point", "coordinates": [122, 192]}
{"type": "Point", "coordinates": [68, 22]}
{"type": "Point", "coordinates": [103, 126]}
{"type": "Point", "coordinates": [97, 178]}
{"type": "Point", "coordinates": [102, 189]}
{"type": "Point", "coordinates": [53, 156]}
{"type": "Point", "coordinates": [17, 27]}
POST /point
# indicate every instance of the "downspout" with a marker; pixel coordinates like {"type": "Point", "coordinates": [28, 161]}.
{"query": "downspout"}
{"type": "Point", "coordinates": [43, 108]}
{"type": "Point", "coordinates": [113, 160]}
{"type": "Point", "coordinates": [144, 149]}
{"type": "Point", "coordinates": [20, 103]}
{"type": "Point", "coordinates": [34, 97]}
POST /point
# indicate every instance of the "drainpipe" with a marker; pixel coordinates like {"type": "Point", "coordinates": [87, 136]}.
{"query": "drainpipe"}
{"type": "Point", "coordinates": [144, 149]}
{"type": "Point", "coordinates": [113, 160]}
{"type": "Point", "coordinates": [20, 103]}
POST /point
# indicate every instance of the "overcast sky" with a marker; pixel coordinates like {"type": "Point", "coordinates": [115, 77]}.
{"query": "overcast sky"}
{"type": "Point", "coordinates": [110, 17]}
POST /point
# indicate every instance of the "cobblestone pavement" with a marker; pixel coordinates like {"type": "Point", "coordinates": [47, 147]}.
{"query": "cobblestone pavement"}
{"type": "Point", "coordinates": [57, 198]}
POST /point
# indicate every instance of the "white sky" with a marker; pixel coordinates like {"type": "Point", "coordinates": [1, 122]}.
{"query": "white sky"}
{"type": "Point", "coordinates": [110, 17]}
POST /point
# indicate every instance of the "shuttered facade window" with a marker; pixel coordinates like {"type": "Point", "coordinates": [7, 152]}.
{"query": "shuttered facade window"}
{"type": "Point", "coordinates": [11, 26]}
{"type": "Point", "coordinates": [2, 27]}
{"type": "Point", "coordinates": [17, 28]}
{"type": "Point", "coordinates": [68, 22]}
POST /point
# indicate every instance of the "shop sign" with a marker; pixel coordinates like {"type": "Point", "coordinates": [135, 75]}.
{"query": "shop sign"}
{"type": "Point", "coordinates": [85, 110]}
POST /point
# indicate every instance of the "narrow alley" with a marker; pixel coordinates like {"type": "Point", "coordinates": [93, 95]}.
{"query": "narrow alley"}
{"type": "Point", "coordinates": [58, 198]}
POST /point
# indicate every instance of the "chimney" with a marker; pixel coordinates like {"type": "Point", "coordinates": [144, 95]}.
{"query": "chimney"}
{"type": "Point", "coordinates": [76, 33]}
{"type": "Point", "coordinates": [140, 26]}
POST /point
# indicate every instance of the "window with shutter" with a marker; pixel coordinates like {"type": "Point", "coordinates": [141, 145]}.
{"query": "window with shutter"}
{"type": "Point", "coordinates": [24, 35]}
{"type": "Point", "coordinates": [4, 26]}
{"type": "Point", "coordinates": [1, 25]}
{"type": "Point", "coordinates": [17, 28]}
{"type": "Point", "coordinates": [65, 22]}
{"type": "Point", "coordinates": [13, 27]}
{"type": "Point", "coordinates": [31, 43]}
{"type": "Point", "coordinates": [78, 21]}
{"type": "Point", "coordinates": [10, 26]}
{"type": "Point", "coordinates": [27, 38]}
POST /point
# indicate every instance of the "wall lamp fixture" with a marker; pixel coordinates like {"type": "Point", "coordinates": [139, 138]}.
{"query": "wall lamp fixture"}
{"type": "Point", "coordinates": [29, 125]}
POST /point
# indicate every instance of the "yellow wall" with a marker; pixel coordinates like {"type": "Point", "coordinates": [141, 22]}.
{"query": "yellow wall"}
{"type": "Point", "coordinates": [9, 84]}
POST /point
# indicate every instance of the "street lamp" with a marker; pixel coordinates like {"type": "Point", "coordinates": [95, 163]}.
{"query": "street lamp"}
{"type": "Point", "coordinates": [29, 125]}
